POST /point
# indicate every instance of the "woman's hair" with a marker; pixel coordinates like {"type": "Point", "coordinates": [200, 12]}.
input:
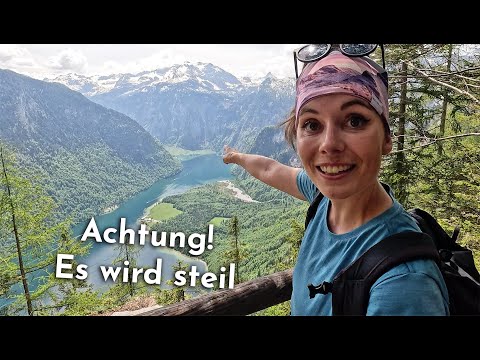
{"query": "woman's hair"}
{"type": "Point", "coordinates": [290, 129]}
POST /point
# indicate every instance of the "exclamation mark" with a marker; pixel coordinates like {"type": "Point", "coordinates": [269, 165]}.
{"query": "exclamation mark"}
{"type": "Point", "coordinates": [210, 237]}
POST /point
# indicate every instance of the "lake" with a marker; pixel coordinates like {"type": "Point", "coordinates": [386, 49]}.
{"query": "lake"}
{"type": "Point", "coordinates": [197, 171]}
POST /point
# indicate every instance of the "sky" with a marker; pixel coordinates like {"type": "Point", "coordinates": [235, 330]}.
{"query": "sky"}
{"type": "Point", "coordinates": [50, 60]}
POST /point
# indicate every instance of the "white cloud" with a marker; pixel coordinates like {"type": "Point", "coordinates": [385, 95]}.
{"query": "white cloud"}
{"type": "Point", "coordinates": [254, 60]}
{"type": "Point", "coordinates": [49, 60]}
{"type": "Point", "coordinates": [277, 59]}
{"type": "Point", "coordinates": [69, 60]}
{"type": "Point", "coordinates": [111, 67]}
{"type": "Point", "coordinates": [14, 55]}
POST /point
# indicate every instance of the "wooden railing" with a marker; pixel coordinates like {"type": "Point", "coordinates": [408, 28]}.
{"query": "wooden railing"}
{"type": "Point", "coordinates": [245, 298]}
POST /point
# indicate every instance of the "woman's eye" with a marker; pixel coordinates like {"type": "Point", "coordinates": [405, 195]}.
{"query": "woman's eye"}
{"type": "Point", "coordinates": [356, 121]}
{"type": "Point", "coordinates": [311, 125]}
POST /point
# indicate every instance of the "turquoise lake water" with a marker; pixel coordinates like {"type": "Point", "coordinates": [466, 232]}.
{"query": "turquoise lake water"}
{"type": "Point", "coordinates": [197, 171]}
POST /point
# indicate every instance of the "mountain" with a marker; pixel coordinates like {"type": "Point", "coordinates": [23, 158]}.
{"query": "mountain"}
{"type": "Point", "coordinates": [89, 157]}
{"type": "Point", "coordinates": [192, 105]}
{"type": "Point", "coordinates": [88, 86]}
{"type": "Point", "coordinates": [270, 142]}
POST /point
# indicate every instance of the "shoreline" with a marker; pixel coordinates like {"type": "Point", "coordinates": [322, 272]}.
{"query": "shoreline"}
{"type": "Point", "coordinates": [182, 154]}
{"type": "Point", "coordinates": [110, 209]}
{"type": "Point", "coordinates": [166, 249]}
{"type": "Point", "coordinates": [239, 194]}
{"type": "Point", "coordinates": [180, 255]}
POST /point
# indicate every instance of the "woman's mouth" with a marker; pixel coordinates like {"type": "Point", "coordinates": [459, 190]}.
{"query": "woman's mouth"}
{"type": "Point", "coordinates": [334, 171]}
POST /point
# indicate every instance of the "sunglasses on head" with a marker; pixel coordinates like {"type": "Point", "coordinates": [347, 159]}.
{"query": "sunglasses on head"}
{"type": "Point", "coordinates": [314, 52]}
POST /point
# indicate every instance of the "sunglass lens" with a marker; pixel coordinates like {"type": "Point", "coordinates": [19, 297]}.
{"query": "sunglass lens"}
{"type": "Point", "coordinates": [358, 49]}
{"type": "Point", "coordinates": [312, 52]}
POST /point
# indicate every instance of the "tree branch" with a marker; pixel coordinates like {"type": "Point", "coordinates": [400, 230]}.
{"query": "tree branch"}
{"type": "Point", "coordinates": [442, 83]}
{"type": "Point", "coordinates": [435, 141]}
{"type": "Point", "coordinates": [444, 73]}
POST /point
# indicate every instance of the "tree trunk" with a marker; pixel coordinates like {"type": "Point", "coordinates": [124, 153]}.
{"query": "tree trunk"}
{"type": "Point", "coordinates": [400, 156]}
{"type": "Point", "coordinates": [234, 230]}
{"type": "Point", "coordinates": [130, 280]}
{"type": "Point", "coordinates": [17, 239]}
{"type": "Point", "coordinates": [445, 102]}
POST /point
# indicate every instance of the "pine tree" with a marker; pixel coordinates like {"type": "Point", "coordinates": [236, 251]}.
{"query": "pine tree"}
{"type": "Point", "coordinates": [176, 293]}
{"type": "Point", "coordinates": [127, 256]}
{"type": "Point", "coordinates": [236, 252]}
{"type": "Point", "coordinates": [434, 164]}
{"type": "Point", "coordinates": [30, 239]}
{"type": "Point", "coordinates": [71, 296]}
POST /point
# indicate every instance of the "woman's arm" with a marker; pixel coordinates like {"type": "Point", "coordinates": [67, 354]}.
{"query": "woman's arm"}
{"type": "Point", "coordinates": [269, 171]}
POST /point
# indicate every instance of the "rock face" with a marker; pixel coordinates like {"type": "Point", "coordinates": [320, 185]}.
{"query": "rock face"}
{"type": "Point", "coordinates": [88, 156]}
{"type": "Point", "coordinates": [193, 105]}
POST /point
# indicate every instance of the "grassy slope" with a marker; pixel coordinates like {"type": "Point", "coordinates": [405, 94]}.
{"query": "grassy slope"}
{"type": "Point", "coordinates": [163, 211]}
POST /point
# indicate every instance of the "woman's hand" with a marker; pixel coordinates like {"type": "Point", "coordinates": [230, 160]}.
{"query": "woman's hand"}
{"type": "Point", "coordinates": [265, 169]}
{"type": "Point", "coordinates": [229, 154]}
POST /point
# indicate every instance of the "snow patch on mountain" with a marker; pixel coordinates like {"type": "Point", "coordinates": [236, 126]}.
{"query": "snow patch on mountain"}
{"type": "Point", "coordinates": [202, 77]}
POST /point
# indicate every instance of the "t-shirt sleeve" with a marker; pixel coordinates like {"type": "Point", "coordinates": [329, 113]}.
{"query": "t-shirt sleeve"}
{"type": "Point", "coordinates": [306, 186]}
{"type": "Point", "coordinates": [407, 294]}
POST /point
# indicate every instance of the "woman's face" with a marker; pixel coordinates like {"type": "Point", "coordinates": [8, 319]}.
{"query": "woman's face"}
{"type": "Point", "coordinates": [341, 140]}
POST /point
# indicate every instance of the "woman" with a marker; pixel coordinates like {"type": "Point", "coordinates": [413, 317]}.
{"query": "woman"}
{"type": "Point", "coordinates": [340, 130]}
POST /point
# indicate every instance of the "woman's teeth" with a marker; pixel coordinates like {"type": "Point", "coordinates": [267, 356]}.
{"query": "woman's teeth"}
{"type": "Point", "coordinates": [333, 170]}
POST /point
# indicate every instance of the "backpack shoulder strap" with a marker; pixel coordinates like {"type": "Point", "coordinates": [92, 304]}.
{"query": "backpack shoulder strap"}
{"type": "Point", "coordinates": [351, 287]}
{"type": "Point", "coordinates": [429, 225]}
{"type": "Point", "coordinates": [312, 209]}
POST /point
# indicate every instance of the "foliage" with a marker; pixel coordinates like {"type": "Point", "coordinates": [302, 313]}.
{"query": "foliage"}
{"type": "Point", "coordinates": [218, 221]}
{"type": "Point", "coordinates": [440, 176]}
{"type": "Point", "coordinates": [93, 178]}
{"type": "Point", "coordinates": [30, 239]}
{"type": "Point", "coordinates": [236, 251]}
{"type": "Point", "coordinates": [127, 256]}
{"type": "Point", "coordinates": [265, 227]}
{"type": "Point", "coordinates": [176, 293]}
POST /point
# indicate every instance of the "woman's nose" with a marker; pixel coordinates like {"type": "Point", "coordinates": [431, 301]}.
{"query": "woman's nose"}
{"type": "Point", "coordinates": [331, 141]}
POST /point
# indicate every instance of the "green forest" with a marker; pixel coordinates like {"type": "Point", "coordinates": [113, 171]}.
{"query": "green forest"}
{"type": "Point", "coordinates": [82, 181]}
{"type": "Point", "coordinates": [435, 166]}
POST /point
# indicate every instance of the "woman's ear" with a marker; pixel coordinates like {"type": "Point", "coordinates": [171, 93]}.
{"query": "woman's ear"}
{"type": "Point", "coordinates": [387, 145]}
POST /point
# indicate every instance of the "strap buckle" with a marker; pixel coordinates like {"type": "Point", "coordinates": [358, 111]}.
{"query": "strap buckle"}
{"type": "Point", "coordinates": [324, 288]}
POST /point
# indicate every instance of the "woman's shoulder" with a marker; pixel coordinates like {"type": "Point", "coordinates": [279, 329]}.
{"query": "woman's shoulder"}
{"type": "Point", "coordinates": [399, 220]}
{"type": "Point", "coordinates": [418, 276]}
{"type": "Point", "coordinates": [306, 186]}
{"type": "Point", "coordinates": [412, 288]}
{"type": "Point", "coordinates": [426, 267]}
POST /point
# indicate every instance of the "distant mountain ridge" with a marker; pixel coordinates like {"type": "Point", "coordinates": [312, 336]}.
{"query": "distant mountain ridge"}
{"type": "Point", "coordinates": [206, 76]}
{"type": "Point", "coordinates": [190, 105]}
{"type": "Point", "coordinates": [89, 157]}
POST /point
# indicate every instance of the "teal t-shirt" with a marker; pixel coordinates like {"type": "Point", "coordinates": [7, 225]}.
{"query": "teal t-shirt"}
{"type": "Point", "coordinates": [412, 288]}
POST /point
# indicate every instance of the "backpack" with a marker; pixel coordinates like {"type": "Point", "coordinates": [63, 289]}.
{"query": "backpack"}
{"type": "Point", "coordinates": [351, 286]}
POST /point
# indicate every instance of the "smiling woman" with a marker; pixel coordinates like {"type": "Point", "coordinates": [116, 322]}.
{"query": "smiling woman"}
{"type": "Point", "coordinates": [339, 137]}
{"type": "Point", "coordinates": [340, 130]}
